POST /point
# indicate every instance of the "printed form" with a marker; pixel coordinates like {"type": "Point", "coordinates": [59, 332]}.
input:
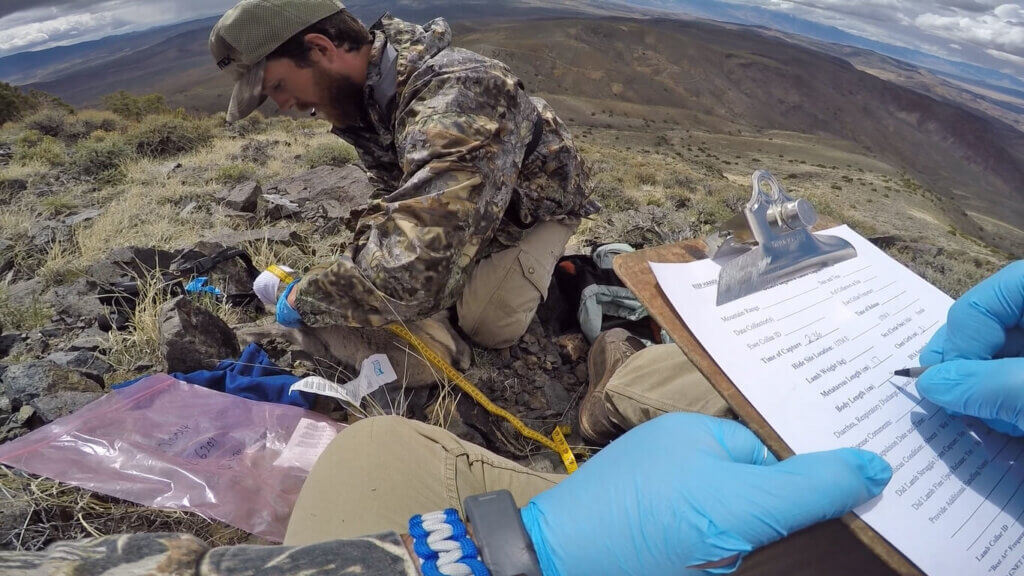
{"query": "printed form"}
{"type": "Point", "coordinates": [816, 356]}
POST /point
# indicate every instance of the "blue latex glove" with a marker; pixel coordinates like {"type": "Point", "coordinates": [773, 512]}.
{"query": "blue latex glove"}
{"type": "Point", "coordinates": [976, 359]}
{"type": "Point", "coordinates": [286, 315]}
{"type": "Point", "coordinates": [688, 490]}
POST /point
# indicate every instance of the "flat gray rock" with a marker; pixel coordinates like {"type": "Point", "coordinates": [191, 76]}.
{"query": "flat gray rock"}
{"type": "Point", "coordinates": [89, 364]}
{"type": "Point", "coordinates": [193, 338]}
{"type": "Point", "coordinates": [52, 390]}
{"type": "Point", "coordinates": [243, 197]}
{"type": "Point", "coordinates": [323, 193]}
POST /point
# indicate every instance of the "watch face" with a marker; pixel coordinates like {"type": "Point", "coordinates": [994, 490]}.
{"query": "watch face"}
{"type": "Point", "coordinates": [498, 531]}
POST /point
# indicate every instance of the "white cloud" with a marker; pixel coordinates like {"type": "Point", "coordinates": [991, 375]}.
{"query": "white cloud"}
{"type": "Point", "coordinates": [39, 32]}
{"type": "Point", "coordinates": [1004, 56]}
{"type": "Point", "coordinates": [1010, 13]}
{"type": "Point", "coordinates": [989, 31]}
{"type": "Point", "coordinates": [57, 22]}
{"type": "Point", "coordinates": [978, 31]}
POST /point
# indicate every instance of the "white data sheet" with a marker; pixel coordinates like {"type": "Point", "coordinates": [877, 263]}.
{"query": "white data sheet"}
{"type": "Point", "coordinates": [816, 356]}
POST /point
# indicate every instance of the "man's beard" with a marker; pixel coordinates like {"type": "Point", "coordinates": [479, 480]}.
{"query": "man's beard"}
{"type": "Point", "coordinates": [342, 97]}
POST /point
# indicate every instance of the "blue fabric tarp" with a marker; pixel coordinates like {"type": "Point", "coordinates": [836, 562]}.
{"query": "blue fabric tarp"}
{"type": "Point", "coordinates": [253, 376]}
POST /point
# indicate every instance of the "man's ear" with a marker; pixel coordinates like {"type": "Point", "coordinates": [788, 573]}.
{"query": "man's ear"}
{"type": "Point", "coordinates": [320, 47]}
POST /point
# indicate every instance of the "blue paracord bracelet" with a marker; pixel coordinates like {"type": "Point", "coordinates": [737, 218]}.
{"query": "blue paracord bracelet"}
{"type": "Point", "coordinates": [444, 548]}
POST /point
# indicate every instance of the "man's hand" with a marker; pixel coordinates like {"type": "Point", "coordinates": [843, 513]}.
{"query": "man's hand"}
{"type": "Point", "coordinates": [976, 358]}
{"type": "Point", "coordinates": [690, 491]}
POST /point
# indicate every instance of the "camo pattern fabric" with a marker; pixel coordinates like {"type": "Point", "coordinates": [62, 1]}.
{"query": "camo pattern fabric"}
{"type": "Point", "coordinates": [447, 153]}
{"type": "Point", "coordinates": [185, 555]}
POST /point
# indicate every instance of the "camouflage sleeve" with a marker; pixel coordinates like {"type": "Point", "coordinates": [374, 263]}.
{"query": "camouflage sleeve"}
{"type": "Point", "coordinates": [462, 127]}
{"type": "Point", "coordinates": [186, 555]}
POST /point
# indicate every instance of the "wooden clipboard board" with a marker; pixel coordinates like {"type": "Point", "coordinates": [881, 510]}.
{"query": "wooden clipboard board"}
{"type": "Point", "coordinates": [842, 547]}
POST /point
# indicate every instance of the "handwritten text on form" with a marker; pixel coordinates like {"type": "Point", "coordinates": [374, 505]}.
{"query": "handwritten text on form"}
{"type": "Point", "coordinates": [816, 358]}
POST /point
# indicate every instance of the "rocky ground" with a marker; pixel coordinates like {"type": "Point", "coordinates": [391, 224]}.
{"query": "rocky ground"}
{"type": "Point", "coordinates": [93, 265]}
{"type": "Point", "coordinates": [63, 364]}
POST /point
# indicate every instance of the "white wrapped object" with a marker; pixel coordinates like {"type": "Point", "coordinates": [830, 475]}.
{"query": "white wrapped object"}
{"type": "Point", "coordinates": [267, 284]}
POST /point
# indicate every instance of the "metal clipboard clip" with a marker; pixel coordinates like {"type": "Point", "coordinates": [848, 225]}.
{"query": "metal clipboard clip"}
{"type": "Point", "coordinates": [770, 242]}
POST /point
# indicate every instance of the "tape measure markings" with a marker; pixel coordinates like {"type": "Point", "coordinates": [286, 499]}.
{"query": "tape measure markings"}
{"type": "Point", "coordinates": [557, 442]}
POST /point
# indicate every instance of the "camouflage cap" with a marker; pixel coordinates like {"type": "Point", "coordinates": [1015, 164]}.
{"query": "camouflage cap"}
{"type": "Point", "coordinates": [242, 38]}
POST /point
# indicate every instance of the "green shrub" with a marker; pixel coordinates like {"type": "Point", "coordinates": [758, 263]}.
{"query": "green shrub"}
{"type": "Point", "coordinates": [161, 136]}
{"type": "Point", "coordinates": [28, 139]}
{"type": "Point", "coordinates": [86, 122]}
{"type": "Point", "coordinates": [611, 195]}
{"type": "Point", "coordinates": [254, 123]}
{"type": "Point", "coordinates": [48, 150]}
{"type": "Point", "coordinates": [231, 174]}
{"type": "Point", "coordinates": [14, 103]}
{"type": "Point", "coordinates": [645, 176]}
{"type": "Point", "coordinates": [330, 154]}
{"type": "Point", "coordinates": [134, 107]}
{"type": "Point", "coordinates": [49, 122]}
{"type": "Point", "coordinates": [101, 157]}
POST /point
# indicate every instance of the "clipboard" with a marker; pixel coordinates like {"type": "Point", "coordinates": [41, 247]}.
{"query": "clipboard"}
{"type": "Point", "coordinates": [838, 547]}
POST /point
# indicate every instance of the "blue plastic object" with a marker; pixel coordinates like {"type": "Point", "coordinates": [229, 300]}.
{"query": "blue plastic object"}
{"type": "Point", "coordinates": [689, 494]}
{"type": "Point", "coordinates": [198, 285]}
{"type": "Point", "coordinates": [977, 359]}
{"type": "Point", "coordinates": [286, 315]}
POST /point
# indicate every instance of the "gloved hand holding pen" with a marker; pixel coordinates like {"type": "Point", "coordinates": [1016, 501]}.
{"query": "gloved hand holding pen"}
{"type": "Point", "coordinates": [977, 359]}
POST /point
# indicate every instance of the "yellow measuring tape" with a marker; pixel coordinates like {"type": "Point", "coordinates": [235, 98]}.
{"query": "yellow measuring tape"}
{"type": "Point", "coordinates": [280, 273]}
{"type": "Point", "coordinates": [556, 442]}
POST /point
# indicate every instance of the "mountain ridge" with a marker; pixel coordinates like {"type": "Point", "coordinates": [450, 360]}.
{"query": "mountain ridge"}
{"type": "Point", "coordinates": [704, 72]}
{"type": "Point", "coordinates": [47, 64]}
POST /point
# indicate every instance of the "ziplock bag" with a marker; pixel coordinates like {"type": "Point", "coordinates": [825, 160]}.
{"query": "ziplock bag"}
{"type": "Point", "coordinates": [168, 444]}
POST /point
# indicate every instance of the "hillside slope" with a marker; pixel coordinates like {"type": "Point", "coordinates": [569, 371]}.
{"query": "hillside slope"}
{"type": "Point", "coordinates": [736, 79]}
{"type": "Point", "coordinates": [723, 78]}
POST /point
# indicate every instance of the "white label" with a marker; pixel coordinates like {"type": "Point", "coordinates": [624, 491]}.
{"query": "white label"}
{"type": "Point", "coordinates": [308, 441]}
{"type": "Point", "coordinates": [375, 372]}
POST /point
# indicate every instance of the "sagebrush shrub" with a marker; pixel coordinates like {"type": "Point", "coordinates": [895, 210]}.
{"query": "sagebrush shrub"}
{"type": "Point", "coordinates": [162, 136]}
{"type": "Point", "coordinates": [49, 122]}
{"type": "Point", "coordinates": [134, 107]}
{"type": "Point", "coordinates": [101, 157]}
{"type": "Point", "coordinates": [28, 139]}
{"type": "Point", "coordinates": [47, 150]}
{"type": "Point", "coordinates": [84, 123]}
{"type": "Point", "coordinates": [254, 123]}
{"type": "Point", "coordinates": [330, 154]}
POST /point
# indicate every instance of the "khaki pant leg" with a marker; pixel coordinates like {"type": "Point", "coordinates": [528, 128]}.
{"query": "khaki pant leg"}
{"type": "Point", "coordinates": [656, 380]}
{"type": "Point", "coordinates": [505, 289]}
{"type": "Point", "coordinates": [381, 471]}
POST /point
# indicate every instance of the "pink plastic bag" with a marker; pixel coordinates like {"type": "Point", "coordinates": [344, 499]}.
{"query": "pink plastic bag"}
{"type": "Point", "coordinates": [169, 444]}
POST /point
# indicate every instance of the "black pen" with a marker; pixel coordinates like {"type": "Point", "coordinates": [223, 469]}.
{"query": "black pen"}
{"type": "Point", "coordinates": [914, 372]}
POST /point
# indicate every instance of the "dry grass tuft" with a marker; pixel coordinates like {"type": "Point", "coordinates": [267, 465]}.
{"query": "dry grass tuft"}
{"type": "Point", "coordinates": [135, 351]}
{"type": "Point", "coordinates": [49, 511]}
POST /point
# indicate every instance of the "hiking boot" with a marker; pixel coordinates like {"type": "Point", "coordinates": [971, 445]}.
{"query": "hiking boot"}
{"type": "Point", "coordinates": [609, 352]}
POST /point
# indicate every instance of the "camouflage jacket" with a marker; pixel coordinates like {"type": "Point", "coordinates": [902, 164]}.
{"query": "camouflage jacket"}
{"type": "Point", "coordinates": [465, 163]}
{"type": "Point", "coordinates": [186, 555]}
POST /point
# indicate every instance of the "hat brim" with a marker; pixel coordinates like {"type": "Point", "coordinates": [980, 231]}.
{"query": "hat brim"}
{"type": "Point", "coordinates": [248, 94]}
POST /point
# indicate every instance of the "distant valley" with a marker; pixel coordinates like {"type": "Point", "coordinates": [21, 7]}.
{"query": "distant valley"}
{"type": "Point", "coordinates": [615, 66]}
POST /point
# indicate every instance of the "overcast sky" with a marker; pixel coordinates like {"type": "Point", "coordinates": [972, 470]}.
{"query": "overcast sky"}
{"type": "Point", "coordinates": [985, 32]}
